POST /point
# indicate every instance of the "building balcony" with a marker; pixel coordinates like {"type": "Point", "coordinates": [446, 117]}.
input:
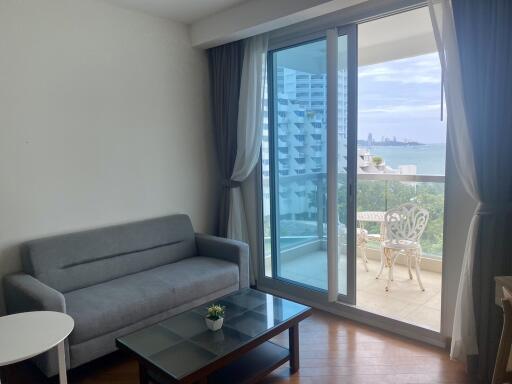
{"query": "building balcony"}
{"type": "Point", "coordinates": [299, 139]}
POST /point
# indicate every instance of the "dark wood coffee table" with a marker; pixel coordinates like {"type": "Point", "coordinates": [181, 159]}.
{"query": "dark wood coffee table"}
{"type": "Point", "coordinates": [182, 350]}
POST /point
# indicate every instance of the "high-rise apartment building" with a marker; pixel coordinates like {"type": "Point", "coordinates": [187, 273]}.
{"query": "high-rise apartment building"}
{"type": "Point", "coordinates": [301, 140]}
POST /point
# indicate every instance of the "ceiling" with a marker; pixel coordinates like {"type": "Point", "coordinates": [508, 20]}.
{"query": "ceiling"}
{"type": "Point", "coordinates": [185, 11]}
{"type": "Point", "coordinates": [396, 37]}
{"type": "Point", "coordinates": [388, 38]}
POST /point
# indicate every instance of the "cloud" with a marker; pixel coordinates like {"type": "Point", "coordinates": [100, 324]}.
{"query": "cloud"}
{"type": "Point", "coordinates": [403, 78]}
{"type": "Point", "coordinates": [376, 70]}
{"type": "Point", "coordinates": [424, 69]}
{"type": "Point", "coordinates": [402, 98]}
{"type": "Point", "coordinates": [402, 108]}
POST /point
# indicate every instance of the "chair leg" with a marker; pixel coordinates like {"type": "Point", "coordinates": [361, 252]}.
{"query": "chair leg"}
{"type": "Point", "coordinates": [409, 261]}
{"type": "Point", "coordinates": [390, 272]}
{"type": "Point", "coordinates": [382, 263]}
{"type": "Point", "coordinates": [365, 258]}
{"type": "Point", "coordinates": [390, 260]}
{"type": "Point", "coordinates": [417, 262]}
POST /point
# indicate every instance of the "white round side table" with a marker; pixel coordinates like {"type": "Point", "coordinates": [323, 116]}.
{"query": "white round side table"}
{"type": "Point", "coordinates": [25, 335]}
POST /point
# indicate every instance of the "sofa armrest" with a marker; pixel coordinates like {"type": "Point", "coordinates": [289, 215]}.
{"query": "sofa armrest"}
{"type": "Point", "coordinates": [25, 293]}
{"type": "Point", "coordinates": [230, 250]}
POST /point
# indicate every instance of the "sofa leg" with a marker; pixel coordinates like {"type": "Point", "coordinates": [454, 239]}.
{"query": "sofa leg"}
{"type": "Point", "coordinates": [3, 375]}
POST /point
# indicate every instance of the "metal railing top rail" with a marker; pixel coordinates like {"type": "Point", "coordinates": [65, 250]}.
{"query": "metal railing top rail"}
{"type": "Point", "coordinates": [400, 177]}
{"type": "Point", "coordinates": [371, 177]}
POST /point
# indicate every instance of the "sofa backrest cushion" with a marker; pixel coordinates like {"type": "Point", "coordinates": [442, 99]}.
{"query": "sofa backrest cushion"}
{"type": "Point", "coordinates": [81, 259]}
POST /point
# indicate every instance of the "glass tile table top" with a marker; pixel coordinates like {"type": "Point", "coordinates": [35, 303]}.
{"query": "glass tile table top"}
{"type": "Point", "coordinates": [183, 344]}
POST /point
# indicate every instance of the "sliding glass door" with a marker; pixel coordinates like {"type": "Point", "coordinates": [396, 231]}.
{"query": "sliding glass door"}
{"type": "Point", "coordinates": [308, 206]}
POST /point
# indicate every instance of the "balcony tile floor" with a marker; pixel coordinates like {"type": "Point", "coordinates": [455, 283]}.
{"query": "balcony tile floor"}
{"type": "Point", "coordinates": [404, 301]}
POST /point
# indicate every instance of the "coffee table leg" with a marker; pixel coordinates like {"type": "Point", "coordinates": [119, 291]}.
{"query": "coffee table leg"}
{"type": "Point", "coordinates": [293, 334]}
{"type": "Point", "coordinates": [61, 352]}
{"type": "Point", "coordinates": [143, 374]}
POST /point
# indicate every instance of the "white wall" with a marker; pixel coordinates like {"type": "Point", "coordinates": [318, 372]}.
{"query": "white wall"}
{"type": "Point", "coordinates": [104, 118]}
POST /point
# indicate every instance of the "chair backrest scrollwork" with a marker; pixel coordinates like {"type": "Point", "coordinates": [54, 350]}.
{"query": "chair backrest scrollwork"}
{"type": "Point", "coordinates": [406, 222]}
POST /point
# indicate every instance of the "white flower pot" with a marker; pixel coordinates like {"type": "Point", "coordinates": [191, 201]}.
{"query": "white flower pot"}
{"type": "Point", "coordinates": [214, 325]}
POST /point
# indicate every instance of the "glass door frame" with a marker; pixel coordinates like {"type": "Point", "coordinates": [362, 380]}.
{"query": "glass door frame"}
{"type": "Point", "coordinates": [315, 29]}
{"type": "Point", "coordinates": [279, 283]}
{"type": "Point", "coordinates": [352, 69]}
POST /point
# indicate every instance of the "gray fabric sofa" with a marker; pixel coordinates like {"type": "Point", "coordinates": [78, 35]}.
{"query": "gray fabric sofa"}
{"type": "Point", "coordinates": [118, 279]}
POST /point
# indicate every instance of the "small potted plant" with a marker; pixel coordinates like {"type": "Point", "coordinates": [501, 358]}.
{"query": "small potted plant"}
{"type": "Point", "coordinates": [215, 317]}
{"type": "Point", "coordinates": [377, 161]}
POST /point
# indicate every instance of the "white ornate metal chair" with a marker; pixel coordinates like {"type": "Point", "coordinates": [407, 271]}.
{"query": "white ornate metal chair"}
{"type": "Point", "coordinates": [362, 244]}
{"type": "Point", "coordinates": [404, 226]}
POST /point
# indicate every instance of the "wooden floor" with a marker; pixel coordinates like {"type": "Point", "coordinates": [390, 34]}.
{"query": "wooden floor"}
{"type": "Point", "coordinates": [332, 350]}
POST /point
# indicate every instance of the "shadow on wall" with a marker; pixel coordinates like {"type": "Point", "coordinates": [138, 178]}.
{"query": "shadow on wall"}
{"type": "Point", "coordinates": [10, 262]}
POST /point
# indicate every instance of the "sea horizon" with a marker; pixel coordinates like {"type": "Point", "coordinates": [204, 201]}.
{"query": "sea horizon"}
{"type": "Point", "coordinates": [429, 158]}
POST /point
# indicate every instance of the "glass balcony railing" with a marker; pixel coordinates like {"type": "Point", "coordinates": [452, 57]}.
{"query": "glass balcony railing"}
{"type": "Point", "coordinates": [301, 222]}
{"type": "Point", "coordinates": [380, 192]}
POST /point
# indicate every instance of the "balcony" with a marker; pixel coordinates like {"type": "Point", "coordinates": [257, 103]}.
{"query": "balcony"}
{"type": "Point", "coordinates": [282, 143]}
{"type": "Point", "coordinates": [298, 139]}
{"type": "Point", "coordinates": [303, 257]}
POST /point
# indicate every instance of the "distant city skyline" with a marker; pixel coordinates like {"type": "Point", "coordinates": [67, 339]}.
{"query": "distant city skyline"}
{"type": "Point", "coordinates": [370, 140]}
{"type": "Point", "coordinates": [402, 98]}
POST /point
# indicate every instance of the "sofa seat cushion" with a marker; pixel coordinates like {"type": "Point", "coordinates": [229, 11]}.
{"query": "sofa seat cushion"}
{"type": "Point", "coordinates": [102, 308]}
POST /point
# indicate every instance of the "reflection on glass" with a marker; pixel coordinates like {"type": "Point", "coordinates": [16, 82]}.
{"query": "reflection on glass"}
{"type": "Point", "coordinates": [265, 181]}
{"type": "Point", "coordinates": [299, 158]}
{"type": "Point", "coordinates": [269, 308]}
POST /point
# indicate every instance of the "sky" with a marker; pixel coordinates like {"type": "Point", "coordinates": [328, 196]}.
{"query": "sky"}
{"type": "Point", "coordinates": [402, 98]}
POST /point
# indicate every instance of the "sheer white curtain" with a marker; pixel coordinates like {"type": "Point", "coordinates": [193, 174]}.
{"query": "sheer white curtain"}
{"type": "Point", "coordinates": [464, 337]}
{"type": "Point", "coordinates": [249, 131]}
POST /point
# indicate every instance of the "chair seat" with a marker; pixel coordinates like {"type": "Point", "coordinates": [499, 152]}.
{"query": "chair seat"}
{"type": "Point", "coordinates": [401, 244]}
{"type": "Point", "coordinates": [374, 236]}
{"type": "Point", "coordinates": [361, 236]}
{"type": "Point", "coordinates": [112, 305]}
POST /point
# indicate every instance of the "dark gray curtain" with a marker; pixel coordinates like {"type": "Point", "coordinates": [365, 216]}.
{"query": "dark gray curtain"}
{"type": "Point", "coordinates": [484, 33]}
{"type": "Point", "coordinates": [225, 74]}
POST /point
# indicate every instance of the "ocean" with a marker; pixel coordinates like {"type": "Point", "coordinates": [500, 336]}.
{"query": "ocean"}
{"type": "Point", "coordinates": [429, 158]}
